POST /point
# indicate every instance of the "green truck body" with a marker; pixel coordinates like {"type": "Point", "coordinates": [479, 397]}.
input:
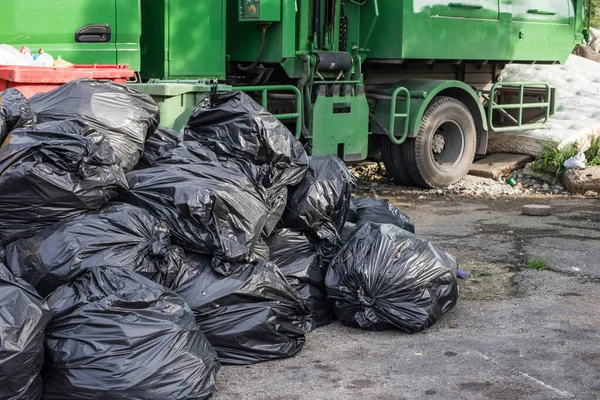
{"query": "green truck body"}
{"type": "Point", "coordinates": [416, 82]}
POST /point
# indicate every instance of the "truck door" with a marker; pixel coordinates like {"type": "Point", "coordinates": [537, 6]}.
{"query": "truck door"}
{"type": "Point", "coordinates": [80, 31]}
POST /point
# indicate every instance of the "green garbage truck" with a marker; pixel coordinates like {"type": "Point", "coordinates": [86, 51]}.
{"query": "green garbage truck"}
{"type": "Point", "coordinates": [417, 83]}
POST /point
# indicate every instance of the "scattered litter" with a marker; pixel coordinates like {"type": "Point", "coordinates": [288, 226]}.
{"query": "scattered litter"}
{"type": "Point", "coordinates": [577, 161]}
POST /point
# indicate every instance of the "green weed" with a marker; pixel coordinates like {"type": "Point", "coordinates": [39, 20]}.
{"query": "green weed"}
{"type": "Point", "coordinates": [592, 155]}
{"type": "Point", "coordinates": [552, 158]}
{"type": "Point", "coordinates": [539, 264]}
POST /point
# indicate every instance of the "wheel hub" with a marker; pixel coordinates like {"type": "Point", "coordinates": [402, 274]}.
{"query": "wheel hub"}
{"type": "Point", "coordinates": [438, 143]}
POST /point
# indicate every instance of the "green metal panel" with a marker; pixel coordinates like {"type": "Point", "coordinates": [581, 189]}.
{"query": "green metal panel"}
{"type": "Point", "coordinates": [129, 31]}
{"type": "Point", "coordinates": [341, 121]}
{"type": "Point", "coordinates": [481, 9]}
{"type": "Point", "coordinates": [259, 10]}
{"type": "Point", "coordinates": [243, 38]}
{"type": "Point", "coordinates": [183, 39]}
{"type": "Point", "coordinates": [511, 30]}
{"type": "Point", "coordinates": [176, 101]}
{"type": "Point", "coordinates": [422, 93]}
{"type": "Point", "coordinates": [52, 24]}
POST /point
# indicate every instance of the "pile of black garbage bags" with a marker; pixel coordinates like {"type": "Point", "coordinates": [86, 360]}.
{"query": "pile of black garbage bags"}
{"type": "Point", "coordinates": [134, 260]}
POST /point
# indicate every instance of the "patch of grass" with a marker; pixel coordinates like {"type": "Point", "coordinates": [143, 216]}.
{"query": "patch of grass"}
{"type": "Point", "coordinates": [592, 155]}
{"type": "Point", "coordinates": [539, 264]}
{"type": "Point", "coordinates": [552, 158]}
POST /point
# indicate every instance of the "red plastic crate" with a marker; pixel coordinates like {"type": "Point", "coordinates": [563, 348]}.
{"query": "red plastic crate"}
{"type": "Point", "coordinates": [33, 80]}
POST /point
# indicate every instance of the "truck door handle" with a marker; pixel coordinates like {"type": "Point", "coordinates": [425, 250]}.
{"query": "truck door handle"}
{"type": "Point", "coordinates": [94, 33]}
{"type": "Point", "coordinates": [541, 12]}
{"type": "Point", "coordinates": [466, 5]}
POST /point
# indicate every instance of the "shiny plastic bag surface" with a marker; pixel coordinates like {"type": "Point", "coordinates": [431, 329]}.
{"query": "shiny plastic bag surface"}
{"type": "Point", "coordinates": [387, 278]}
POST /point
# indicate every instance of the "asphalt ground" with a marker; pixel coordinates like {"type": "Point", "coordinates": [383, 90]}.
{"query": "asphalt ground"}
{"type": "Point", "coordinates": [516, 333]}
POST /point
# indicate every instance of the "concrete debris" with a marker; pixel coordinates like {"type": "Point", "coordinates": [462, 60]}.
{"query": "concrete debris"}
{"type": "Point", "coordinates": [499, 165]}
{"type": "Point", "coordinates": [580, 181]}
{"type": "Point", "coordinates": [537, 210]}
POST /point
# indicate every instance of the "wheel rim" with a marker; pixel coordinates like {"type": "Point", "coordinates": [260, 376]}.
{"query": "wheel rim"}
{"type": "Point", "coordinates": [447, 145]}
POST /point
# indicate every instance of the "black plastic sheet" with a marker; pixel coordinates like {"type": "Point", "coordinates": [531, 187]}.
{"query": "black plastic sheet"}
{"type": "Point", "coordinates": [320, 202]}
{"type": "Point", "coordinates": [387, 278]}
{"type": "Point", "coordinates": [157, 144]}
{"type": "Point", "coordinates": [117, 335]}
{"type": "Point", "coordinates": [15, 112]}
{"type": "Point", "coordinates": [208, 209]}
{"type": "Point", "coordinates": [261, 251]}
{"type": "Point", "coordinates": [299, 262]}
{"type": "Point", "coordinates": [192, 153]}
{"type": "Point", "coordinates": [235, 126]}
{"type": "Point", "coordinates": [250, 316]}
{"type": "Point", "coordinates": [123, 115]}
{"type": "Point", "coordinates": [53, 171]}
{"type": "Point", "coordinates": [380, 211]}
{"type": "Point", "coordinates": [23, 318]}
{"type": "Point", "coordinates": [118, 236]}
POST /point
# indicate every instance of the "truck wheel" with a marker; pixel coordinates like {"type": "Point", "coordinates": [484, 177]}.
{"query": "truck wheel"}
{"type": "Point", "coordinates": [444, 149]}
{"type": "Point", "coordinates": [394, 163]}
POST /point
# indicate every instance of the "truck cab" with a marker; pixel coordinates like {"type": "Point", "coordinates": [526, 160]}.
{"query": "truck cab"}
{"type": "Point", "coordinates": [80, 31]}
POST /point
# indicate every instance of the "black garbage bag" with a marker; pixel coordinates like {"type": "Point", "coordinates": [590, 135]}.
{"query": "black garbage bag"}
{"type": "Point", "coordinates": [15, 112]}
{"type": "Point", "coordinates": [53, 171]}
{"type": "Point", "coordinates": [118, 236]}
{"type": "Point", "coordinates": [261, 251]}
{"type": "Point", "coordinates": [235, 126]}
{"type": "Point", "coordinates": [117, 335]}
{"type": "Point", "coordinates": [123, 115]}
{"type": "Point", "coordinates": [387, 278]}
{"type": "Point", "coordinates": [23, 318]}
{"type": "Point", "coordinates": [369, 209]}
{"type": "Point", "coordinates": [250, 316]}
{"type": "Point", "coordinates": [320, 202]}
{"type": "Point", "coordinates": [157, 144]}
{"type": "Point", "coordinates": [208, 209]}
{"type": "Point", "coordinates": [299, 262]}
{"type": "Point", "coordinates": [188, 152]}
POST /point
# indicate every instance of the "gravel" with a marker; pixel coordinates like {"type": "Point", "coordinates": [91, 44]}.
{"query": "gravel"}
{"type": "Point", "coordinates": [372, 178]}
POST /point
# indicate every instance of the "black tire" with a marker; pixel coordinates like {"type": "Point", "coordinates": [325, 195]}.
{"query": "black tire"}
{"type": "Point", "coordinates": [394, 162]}
{"type": "Point", "coordinates": [444, 149]}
